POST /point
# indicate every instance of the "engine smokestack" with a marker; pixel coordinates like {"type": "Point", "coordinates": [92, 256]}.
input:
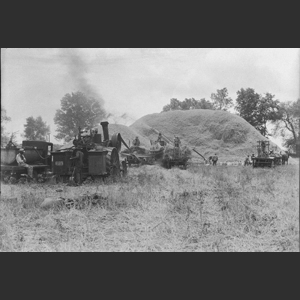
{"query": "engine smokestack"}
{"type": "Point", "coordinates": [105, 130]}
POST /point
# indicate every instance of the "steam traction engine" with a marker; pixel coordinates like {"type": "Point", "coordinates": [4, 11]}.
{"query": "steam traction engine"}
{"type": "Point", "coordinates": [100, 159]}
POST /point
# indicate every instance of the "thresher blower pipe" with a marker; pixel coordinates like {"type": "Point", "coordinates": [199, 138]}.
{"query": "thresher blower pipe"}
{"type": "Point", "coordinates": [162, 135]}
{"type": "Point", "coordinates": [124, 143]}
{"type": "Point", "coordinates": [199, 154]}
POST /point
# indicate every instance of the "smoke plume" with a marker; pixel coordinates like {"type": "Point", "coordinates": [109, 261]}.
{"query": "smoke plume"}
{"type": "Point", "coordinates": [77, 73]}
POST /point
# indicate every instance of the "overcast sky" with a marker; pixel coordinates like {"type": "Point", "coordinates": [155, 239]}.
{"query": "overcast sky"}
{"type": "Point", "coordinates": [137, 81]}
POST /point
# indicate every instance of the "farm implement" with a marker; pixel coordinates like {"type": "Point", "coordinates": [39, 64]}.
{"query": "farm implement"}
{"type": "Point", "coordinates": [264, 158]}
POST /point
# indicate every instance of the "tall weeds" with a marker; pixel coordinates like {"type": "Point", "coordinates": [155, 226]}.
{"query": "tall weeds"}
{"type": "Point", "coordinates": [200, 209]}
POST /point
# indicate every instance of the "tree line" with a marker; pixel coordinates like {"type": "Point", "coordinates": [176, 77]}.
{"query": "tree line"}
{"type": "Point", "coordinates": [77, 110]}
{"type": "Point", "coordinates": [80, 110]}
{"type": "Point", "coordinates": [258, 110]}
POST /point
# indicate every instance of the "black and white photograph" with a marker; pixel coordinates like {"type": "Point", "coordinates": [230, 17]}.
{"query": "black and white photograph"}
{"type": "Point", "coordinates": [150, 149]}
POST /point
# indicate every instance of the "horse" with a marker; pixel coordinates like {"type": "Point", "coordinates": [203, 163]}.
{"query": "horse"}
{"type": "Point", "coordinates": [285, 158]}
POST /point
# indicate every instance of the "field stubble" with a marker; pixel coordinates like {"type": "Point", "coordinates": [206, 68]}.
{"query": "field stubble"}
{"type": "Point", "coordinates": [201, 209]}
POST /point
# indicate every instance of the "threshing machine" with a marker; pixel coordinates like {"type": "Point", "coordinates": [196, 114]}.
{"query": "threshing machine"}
{"type": "Point", "coordinates": [264, 158]}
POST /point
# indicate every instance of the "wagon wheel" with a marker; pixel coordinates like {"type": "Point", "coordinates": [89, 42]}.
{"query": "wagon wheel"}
{"type": "Point", "coordinates": [113, 163]}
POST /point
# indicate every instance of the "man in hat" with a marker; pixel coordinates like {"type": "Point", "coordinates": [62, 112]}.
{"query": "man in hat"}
{"type": "Point", "coordinates": [136, 142]}
{"type": "Point", "coordinates": [21, 160]}
{"type": "Point", "coordinates": [159, 138]}
{"type": "Point", "coordinates": [247, 161]}
{"type": "Point", "coordinates": [215, 159]}
{"type": "Point", "coordinates": [176, 141]}
{"type": "Point", "coordinates": [78, 164]}
{"type": "Point", "coordinates": [263, 147]}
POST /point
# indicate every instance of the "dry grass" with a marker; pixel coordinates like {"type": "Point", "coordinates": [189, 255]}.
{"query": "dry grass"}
{"type": "Point", "coordinates": [202, 209]}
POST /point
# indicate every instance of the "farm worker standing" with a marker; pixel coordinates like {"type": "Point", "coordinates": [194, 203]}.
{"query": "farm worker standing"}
{"type": "Point", "coordinates": [263, 146]}
{"type": "Point", "coordinates": [21, 160]}
{"type": "Point", "coordinates": [247, 161]}
{"type": "Point", "coordinates": [176, 141]}
{"type": "Point", "coordinates": [159, 138]}
{"type": "Point", "coordinates": [136, 142]}
{"type": "Point", "coordinates": [215, 159]}
{"type": "Point", "coordinates": [78, 165]}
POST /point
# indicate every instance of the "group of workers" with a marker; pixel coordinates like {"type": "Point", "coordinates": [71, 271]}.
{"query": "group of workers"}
{"type": "Point", "coordinates": [176, 140]}
{"type": "Point", "coordinates": [213, 159]}
{"type": "Point", "coordinates": [136, 141]}
{"type": "Point", "coordinates": [249, 160]}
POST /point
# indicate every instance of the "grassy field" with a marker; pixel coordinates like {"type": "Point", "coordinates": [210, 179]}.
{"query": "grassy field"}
{"type": "Point", "coordinates": [205, 208]}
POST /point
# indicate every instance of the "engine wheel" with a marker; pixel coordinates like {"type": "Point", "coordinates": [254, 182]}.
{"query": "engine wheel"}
{"type": "Point", "coordinates": [116, 141]}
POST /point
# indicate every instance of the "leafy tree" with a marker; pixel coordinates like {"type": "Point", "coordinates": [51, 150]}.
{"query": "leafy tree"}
{"type": "Point", "coordinates": [175, 104]}
{"type": "Point", "coordinates": [221, 100]}
{"type": "Point", "coordinates": [267, 110]}
{"type": "Point", "coordinates": [187, 104]}
{"type": "Point", "coordinates": [256, 109]}
{"type": "Point", "coordinates": [36, 129]}
{"type": "Point", "coordinates": [4, 119]}
{"type": "Point", "coordinates": [77, 110]}
{"type": "Point", "coordinates": [205, 104]}
{"type": "Point", "coordinates": [287, 122]}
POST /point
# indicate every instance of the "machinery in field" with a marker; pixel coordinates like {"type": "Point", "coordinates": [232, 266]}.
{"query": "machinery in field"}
{"type": "Point", "coordinates": [175, 156]}
{"type": "Point", "coordinates": [168, 154]}
{"type": "Point", "coordinates": [100, 156]}
{"type": "Point", "coordinates": [137, 155]}
{"type": "Point", "coordinates": [157, 150]}
{"type": "Point", "coordinates": [264, 158]}
{"type": "Point", "coordinates": [37, 155]}
{"type": "Point", "coordinates": [162, 152]}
